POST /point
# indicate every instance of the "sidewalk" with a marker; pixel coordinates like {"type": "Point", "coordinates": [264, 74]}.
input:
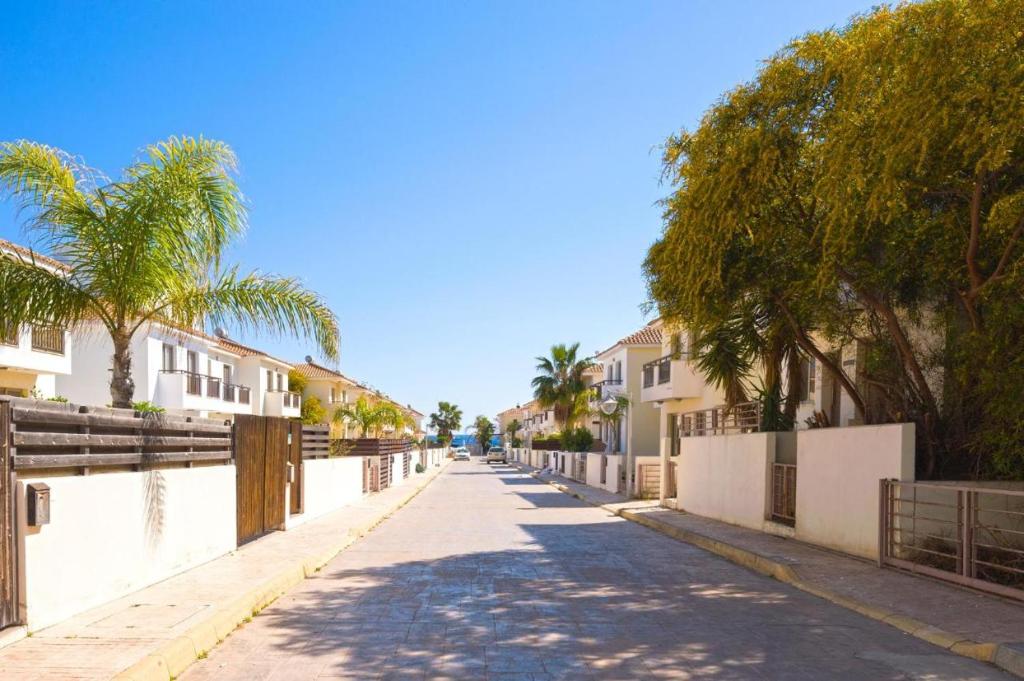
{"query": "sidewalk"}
{"type": "Point", "coordinates": [155, 633]}
{"type": "Point", "coordinates": [966, 622]}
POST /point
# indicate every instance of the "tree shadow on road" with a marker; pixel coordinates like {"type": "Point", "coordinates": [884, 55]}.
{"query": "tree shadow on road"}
{"type": "Point", "coordinates": [598, 599]}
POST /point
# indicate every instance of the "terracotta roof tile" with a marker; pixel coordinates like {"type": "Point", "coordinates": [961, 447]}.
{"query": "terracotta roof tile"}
{"type": "Point", "coordinates": [245, 350]}
{"type": "Point", "coordinates": [649, 335]}
{"type": "Point", "coordinates": [29, 254]}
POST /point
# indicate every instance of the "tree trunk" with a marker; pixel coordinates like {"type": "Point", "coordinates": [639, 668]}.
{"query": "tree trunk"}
{"type": "Point", "coordinates": [793, 377]}
{"type": "Point", "coordinates": [808, 346]}
{"type": "Point", "coordinates": [122, 386]}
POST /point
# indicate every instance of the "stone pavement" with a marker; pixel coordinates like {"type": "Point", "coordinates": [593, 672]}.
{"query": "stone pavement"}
{"type": "Point", "coordinates": [965, 621]}
{"type": "Point", "coordinates": [157, 631]}
{"type": "Point", "coordinates": [492, 574]}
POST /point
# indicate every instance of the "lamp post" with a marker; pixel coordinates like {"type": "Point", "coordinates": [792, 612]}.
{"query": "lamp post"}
{"type": "Point", "coordinates": [609, 407]}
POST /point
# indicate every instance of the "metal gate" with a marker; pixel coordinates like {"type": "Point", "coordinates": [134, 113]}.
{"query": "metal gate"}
{"type": "Point", "coordinates": [261, 465]}
{"type": "Point", "coordinates": [8, 562]}
{"type": "Point", "coordinates": [784, 493]}
{"type": "Point", "coordinates": [295, 500]}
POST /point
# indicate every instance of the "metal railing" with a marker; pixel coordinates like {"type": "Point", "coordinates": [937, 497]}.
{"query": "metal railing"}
{"type": "Point", "coordinates": [784, 493]}
{"type": "Point", "coordinates": [659, 369]}
{"type": "Point", "coordinates": [291, 400]}
{"type": "Point", "coordinates": [740, 418]}
{"type": "Point", "coordinates": [215, 387]}
{"type": "Point", "coordinates": [48, 339]}
{"type": "Point", "coordinates": [973, 536]}
{"type": "Point", "coordinates": [598, 389]}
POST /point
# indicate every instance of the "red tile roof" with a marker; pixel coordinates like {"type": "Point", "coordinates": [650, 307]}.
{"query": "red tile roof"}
{"type": "Point", "coordinates": [649, 335]}
{"type": "Point", "coordinates": [245, 351]}
{"type": "Point", "coordinates": [29, 254]}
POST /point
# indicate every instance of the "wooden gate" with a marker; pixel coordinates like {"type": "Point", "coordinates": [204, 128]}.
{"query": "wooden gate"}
{"type": "Point", "coordinates": [295, 501]}
{"type": "Point", "coordinates": [649, 486]}
{"type": "Point", "coordinates": [261, 458]}
{"type": "Point", "coordinates": [8, 564]}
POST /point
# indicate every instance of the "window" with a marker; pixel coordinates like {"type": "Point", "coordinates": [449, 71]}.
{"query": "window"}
{"type": "Point", "coordinates": [806, 379]}
{"type": "Point", "coordinates": [673, 434]}
{"type": "Point", "coordinates": [227, 373]}
{"type": "Point", "coordinates": [169, 352]}
{"type": "Point", "coordinates": [618, 371]}
{"type": "Point", "coordinates": [280, 382]}
{"type": "Point", "coordinates": [332, 398]}
{"type": "Point", "coordinates": [270, 380]}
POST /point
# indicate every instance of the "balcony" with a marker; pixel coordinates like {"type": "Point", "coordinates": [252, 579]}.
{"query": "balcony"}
{"type": "Point", "coordinates": [282, 403]}
{"type": "Point", "coordinates": [180, 389]}
{"type": "Point", "coordinates": [48, 339]}
{"type": "Point", "coordinates": [602, 390]}
{"type": "Point", "coordinates": [668, 378]}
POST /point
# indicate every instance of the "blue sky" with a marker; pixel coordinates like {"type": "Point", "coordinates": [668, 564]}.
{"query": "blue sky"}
{"type": "Point", "coordinates": [466, 183]}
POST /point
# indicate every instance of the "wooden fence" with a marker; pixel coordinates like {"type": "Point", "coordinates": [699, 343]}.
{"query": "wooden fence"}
{"type": "Point", "coordinates": [316, 442]}
{"type": "Point", "coordinates": [54, 435]}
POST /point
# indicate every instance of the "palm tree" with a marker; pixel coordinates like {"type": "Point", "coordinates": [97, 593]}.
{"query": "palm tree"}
{"type": "Point", "coordinates": [484, 432]}
{"type": "Point", "coordinates": [512, 428]}
{"type": "Point", "coordinates": [364, 414]}
{"type": "Point", "coordinates": [143, 249]}
{"type": "Point", "coordinates": [446, 420]}
{"type": "Point", "coordinates": [560, 384]}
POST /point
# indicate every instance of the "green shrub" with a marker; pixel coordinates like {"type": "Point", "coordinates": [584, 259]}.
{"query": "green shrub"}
{"type": "Point", "coordinates": [146, 407]}
{"type": "Point", "coordinates": [312, 411]}
{"type": "Point", "coordinates": [577, 440]}
{"type": "Point", "coordinates": [420, 468]}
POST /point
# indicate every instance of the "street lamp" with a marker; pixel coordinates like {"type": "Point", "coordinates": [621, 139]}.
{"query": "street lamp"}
{"type": "Point", "coordinates": [608, 407]}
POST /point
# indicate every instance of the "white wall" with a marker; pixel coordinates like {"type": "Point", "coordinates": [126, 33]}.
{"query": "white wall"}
{"type": "Point", "coordinates": [328, 484]}
{"type": "Point", "coordinates": [838, 472]}
{"type": "Point", "coordinates": [726, 477]}
{"type": "Point", "coordinates": [113, 533]}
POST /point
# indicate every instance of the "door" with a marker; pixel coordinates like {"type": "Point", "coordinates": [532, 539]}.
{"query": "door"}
{"type": "Point", "coordinates": [261, 458]}
{"type": "Point", "coordinates": [8, 563]}
{"type": "Point", "coordinates": [295, 501]}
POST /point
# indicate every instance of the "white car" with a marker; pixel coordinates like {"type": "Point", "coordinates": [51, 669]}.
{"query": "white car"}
{"type": "Point", "coordinates": [497, 454]}
{"type": "Point", "coordinates": [460, 454]}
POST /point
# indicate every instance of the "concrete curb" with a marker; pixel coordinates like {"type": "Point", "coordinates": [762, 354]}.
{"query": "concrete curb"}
{"type": "Point", "coordinates": [1008, 657]}
{"type": "Point", "coordinates": [172, 657]}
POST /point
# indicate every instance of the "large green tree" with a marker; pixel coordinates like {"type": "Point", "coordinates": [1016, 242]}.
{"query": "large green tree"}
{"type": "Point", "coordinates": [446, 420]}
{"type": "Point", "coordinates": [142, 249]}
{"type": "Point", "coordinates": [868, 186]}
{"type": "Point", "coordinates": [560, 385]}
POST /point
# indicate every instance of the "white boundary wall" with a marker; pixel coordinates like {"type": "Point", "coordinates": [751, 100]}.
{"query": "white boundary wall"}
{"type": "Point", "coordinates": [837, 478]}
{"type": "Point", "coordinates": [328, 484]}
{"type": "Point", "coordinates": [726, 477]}
{"type": "Point", "coordinates": [113, 533]}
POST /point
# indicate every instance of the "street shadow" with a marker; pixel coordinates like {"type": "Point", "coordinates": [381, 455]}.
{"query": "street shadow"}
{"type": "Point", "coordinates": [592, 600]}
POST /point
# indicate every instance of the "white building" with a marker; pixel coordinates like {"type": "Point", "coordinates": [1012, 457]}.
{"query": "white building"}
{"type": "Point", "coordinates": [183, 371]}
{"type": "Point", "coordinates": [32, 357]}
{"type": "Point", "coordinates": [623, 365]}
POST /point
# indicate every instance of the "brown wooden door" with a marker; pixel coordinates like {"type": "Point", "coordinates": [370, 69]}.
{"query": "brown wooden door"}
{"type": "Point", "coordinates": [8, 573]}
{"type": "Point", "coordinates": [295, 457]}
{"type": "Point", "coordinates": [261, 458]}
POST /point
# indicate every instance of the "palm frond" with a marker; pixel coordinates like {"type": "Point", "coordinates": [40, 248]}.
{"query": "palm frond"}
{"type": "Point", "coordinates": [258, 302]}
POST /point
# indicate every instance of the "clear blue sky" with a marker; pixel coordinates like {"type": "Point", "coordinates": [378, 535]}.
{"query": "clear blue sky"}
{"type": "Point", "coordinates": [466, 183]}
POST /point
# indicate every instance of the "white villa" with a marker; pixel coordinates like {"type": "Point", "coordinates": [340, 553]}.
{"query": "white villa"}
{"type": "Point", "coordinates": [183, 371]}
{"type": "Point", "coordinates": [31, 358]}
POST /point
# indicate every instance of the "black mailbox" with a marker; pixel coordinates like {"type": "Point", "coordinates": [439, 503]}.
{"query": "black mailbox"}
{"type": "Point", "coordinates": [38, 503]}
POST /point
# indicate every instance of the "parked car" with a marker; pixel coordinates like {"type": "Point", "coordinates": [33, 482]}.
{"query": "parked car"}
{"type": "Point", "coordinates": [460, 454]}
{"type": "Point", "coordinates": [497, 454]}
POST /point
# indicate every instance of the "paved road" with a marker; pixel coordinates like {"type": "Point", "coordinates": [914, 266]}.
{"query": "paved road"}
{"type": "Point", "coordinates": [490, 574]}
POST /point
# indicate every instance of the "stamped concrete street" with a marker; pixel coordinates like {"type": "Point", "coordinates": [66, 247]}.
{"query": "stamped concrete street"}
{"type": "Point", "coordinates": [492, 574]}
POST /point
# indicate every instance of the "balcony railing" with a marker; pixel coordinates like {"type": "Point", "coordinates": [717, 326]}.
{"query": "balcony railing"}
{"type": "Point", "coordinates": [599, 388]}
{"type": "Point", "coordinates": [215, 387]}
{"type": "Point", "coordinates": [292, 400]}
{"type": "Point", "coordinates": [740, 418]}
{"type": "Point", "coordinates": [10, 335]}
{"type": "Point", "coordinates": [660, 369]}
{"type": "Point", "coordinates": [48, 339]}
